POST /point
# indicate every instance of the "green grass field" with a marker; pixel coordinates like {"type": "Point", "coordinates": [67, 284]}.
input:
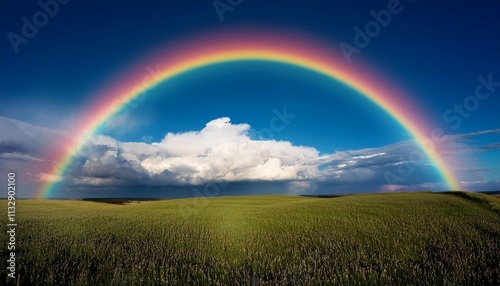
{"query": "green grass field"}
{"type": "Point", "coordinates": [378, 239]}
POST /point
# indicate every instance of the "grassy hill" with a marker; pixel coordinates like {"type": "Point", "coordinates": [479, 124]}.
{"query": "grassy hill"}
{"type": "Point", "coordinates": [376, 239]}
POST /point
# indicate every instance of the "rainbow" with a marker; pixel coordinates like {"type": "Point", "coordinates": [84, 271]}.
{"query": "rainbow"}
{"type": "Point", "coordinates": [233, 47]}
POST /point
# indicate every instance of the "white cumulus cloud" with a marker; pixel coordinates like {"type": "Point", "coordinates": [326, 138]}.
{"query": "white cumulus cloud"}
{"type": "Point", "coordinates": [220, 151]}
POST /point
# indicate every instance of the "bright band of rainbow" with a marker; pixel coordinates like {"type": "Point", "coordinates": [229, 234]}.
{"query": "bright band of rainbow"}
{"type": "Point", "coordinates": [224, 48]}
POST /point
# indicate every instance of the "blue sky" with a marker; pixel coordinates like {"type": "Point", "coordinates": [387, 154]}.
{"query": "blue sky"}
{"type": "Point", "coordinates": [434, 50]}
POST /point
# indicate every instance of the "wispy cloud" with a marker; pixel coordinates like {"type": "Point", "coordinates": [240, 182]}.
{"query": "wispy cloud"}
{"type": "Point", "coordinates": [472, 134]}
{"type": "Point", "coordinates": [22, 141]}
{"type": "Point", "coordinates": [481, 185]}
{"type": "Point", "coordinates": [466, 143]}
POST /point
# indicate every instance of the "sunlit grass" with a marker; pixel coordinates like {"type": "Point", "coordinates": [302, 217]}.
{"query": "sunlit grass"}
{"type": "Point", "coordinates": [379, 239]}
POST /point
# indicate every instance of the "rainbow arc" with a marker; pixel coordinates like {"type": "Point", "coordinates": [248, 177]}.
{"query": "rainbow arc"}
{"type": "Point", "coordinates": [225, 48]}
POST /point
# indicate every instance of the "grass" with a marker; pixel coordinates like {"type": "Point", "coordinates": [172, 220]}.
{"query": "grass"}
{"type": "Point", "coordinates": [377, 239]}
